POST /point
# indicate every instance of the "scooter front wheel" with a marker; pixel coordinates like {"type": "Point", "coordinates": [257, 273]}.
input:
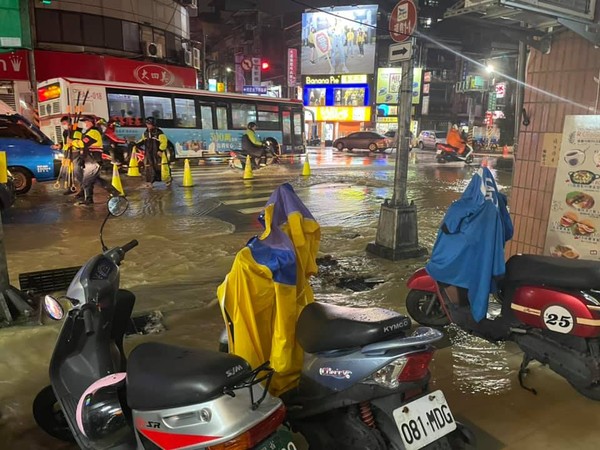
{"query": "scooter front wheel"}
{"type": "Point", "coordinates": [425, 308]}
{"type": "Point", "coordinates": [49, 416]}
{"type": "Point", "coordinates": [469, 159]}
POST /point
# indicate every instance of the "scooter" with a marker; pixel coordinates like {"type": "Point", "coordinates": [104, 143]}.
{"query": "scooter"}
{"type": "Point", "coordinates": [549, 306]}
{"type": "Point", "coordinates": [237, 158]}
{"type": "Point", "coordinates": [162, 396]}
{"type": "Point", "coordinates": [445, 153]}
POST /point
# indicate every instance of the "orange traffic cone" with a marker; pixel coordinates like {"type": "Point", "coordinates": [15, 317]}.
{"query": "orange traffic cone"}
{"type": "Point", "coordinates": [505, 151]}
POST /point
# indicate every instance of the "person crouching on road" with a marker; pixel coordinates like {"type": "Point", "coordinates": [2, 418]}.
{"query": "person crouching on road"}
{"type": "Point", "coordinates": [68, 134]}
{"type": "Point", "coordinates": [90, 151]}
{"type": "Point", "coordinates": [155, 142]}
{"type": "Point", "coordinates": [252, 146]}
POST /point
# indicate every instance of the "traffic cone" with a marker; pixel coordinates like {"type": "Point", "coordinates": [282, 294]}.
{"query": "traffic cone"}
{"type": "Point", "coordinates": [505, 151]}
{"type": "Point", "coordinates": [134, 169]}
{"type": "Point", "coordinates": [248, 169]}
{"type": "Point", "coordinates": [187, 174]}
{"type": "Point", "coordinates": [484, 162]}
{"type": "Point", "coordinates": [306, 168]}
{"type": "Point", "coordinates": [116, 180]}
{"type": "Point", "coordinates": [165, 170]}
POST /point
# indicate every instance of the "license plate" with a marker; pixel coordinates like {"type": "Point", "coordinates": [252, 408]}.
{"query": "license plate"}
{"type": "Point", "coordinates": [424, 421]}
{"type": "Point", "coordinates": [280, 440]}
{"type": "Point", "coordinates": [438, 152]}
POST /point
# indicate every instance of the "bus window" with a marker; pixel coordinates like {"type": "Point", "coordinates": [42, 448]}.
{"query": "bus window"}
{"type": "Point", "coordinates": [287, 127]}
{"type": "Point", "coordinates": [298, 134]}
{"type": "Point", "coordinates": [207, 117]}
{"type": "Point", "coordinates": [185, 110]}
{"type": "Point", "coordinates": [268, 117]}
{"type": "Point", "coordinates": [242, 114]}
{"type": "Point", "coordinates": [125, 108]}
{"type": "Point", "coordinates": [222, 117]}
{"type": "Point", "coordinates": [160, 108]}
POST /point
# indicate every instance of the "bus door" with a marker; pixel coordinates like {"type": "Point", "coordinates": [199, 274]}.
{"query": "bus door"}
{"type": "Point", "coordinates": [286, 128]}
{"type": "Point", "coordinates": [298, 129]}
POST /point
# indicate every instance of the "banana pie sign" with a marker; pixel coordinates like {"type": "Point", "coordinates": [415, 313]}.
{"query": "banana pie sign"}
{"type": "Point", "coordinates": [14, 65]}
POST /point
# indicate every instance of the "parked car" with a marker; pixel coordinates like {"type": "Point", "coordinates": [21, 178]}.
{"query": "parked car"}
{"type": "Point", "coordinates": [362, 139]}
{"type": "Point", "coordinates": [29, 152]}
{"type": "Point", "coordinates": [430, 138]}
{"type": "Point", "coordinates": [7, 193]}
{"type": "Point", "coordinates": [393, 142]}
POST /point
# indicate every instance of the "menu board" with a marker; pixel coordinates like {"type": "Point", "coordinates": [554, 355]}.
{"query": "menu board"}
{"type": "Point", "coordinates": [574, 222]}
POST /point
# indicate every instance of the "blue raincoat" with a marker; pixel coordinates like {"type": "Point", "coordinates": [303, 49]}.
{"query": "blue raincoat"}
{"type": "Point", "coordinates": [469, 250]}
{"type": "Point", "coordinates": [267, 288]}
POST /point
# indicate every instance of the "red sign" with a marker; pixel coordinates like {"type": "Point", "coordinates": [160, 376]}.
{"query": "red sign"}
{"type": "Point", "coordinates": [14, 65]}
{"type": "Point", "coordinates": [403, 20]}
{"type": "Point", "coordinates": [292, 66]}
{"type": "Point", "coordinates": [51, 64]}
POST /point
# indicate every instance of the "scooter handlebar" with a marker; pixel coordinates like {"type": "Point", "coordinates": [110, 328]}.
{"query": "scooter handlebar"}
{"type": "Point", "coordinates": [130, 245]}
{"type": "Point", "coordinates": [88, 321]}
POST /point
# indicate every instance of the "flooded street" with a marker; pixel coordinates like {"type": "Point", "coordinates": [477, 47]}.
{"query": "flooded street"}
{"type": "Point", "coordinates": [188, 239]}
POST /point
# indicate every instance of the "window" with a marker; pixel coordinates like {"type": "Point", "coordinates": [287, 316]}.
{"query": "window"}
{"type": "Point", "coordinates": [113, 36]}
{"type": "Point", "coordinates": [93, 30]}
{"type": "Point", "coordinates": [221, 117]}
{"type": "Point", "coordinates": [298, 124]}
{"type": "Point", "coordinates": [242, 114]}
{"type": "Point", "coordinates": [131, 37]}
{"type": "Point", "coordinates": [160, 108]}
{"type": "Point", "coordinates": [71, 28]}
{"type": "Point", "coordinates": [268, 117]}
{"type": "Point", "coordinates": [124, 107]}
{"type": "Point", "coordinates": [173, 45]}
{"type": "Point", "coordinates": [47, 23]}
{"type": "Point", "coordinates": [207, 117]}
{"type": "Point", "coordinates": [185, 110]}
{"type": "Point", "coordinates": [19, 130]}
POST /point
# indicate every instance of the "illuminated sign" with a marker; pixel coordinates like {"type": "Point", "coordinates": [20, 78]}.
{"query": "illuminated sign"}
{"type": "Point", "coordinates": [500, 90]}
{"type": "Point", "coordinates": [388, 84]}
{"type": "Point", "coordinates": [387, 119]}
{"type": "Point", "coordinates": [341, 113]}
{"type": "Point", "coordinates": [335, 79]}
{"type": "Point", "coordinates": [50, 92]}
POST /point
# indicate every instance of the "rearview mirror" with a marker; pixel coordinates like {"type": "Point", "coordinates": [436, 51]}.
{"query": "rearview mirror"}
{"type": "Point", "coordinates": [54, 309]}
{"type": "Point", "coordinates": [117, 206]}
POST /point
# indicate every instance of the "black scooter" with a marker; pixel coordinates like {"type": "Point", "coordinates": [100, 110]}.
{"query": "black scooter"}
{"type": "Point", "coordinates": [445, 153]}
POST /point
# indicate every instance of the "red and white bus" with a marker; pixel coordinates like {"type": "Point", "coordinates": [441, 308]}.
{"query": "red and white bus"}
{"type": "Point", "coordinates": [198, 123]}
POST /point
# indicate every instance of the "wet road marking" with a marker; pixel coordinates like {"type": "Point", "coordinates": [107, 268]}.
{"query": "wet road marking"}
{"type": "Point", "coordinates": [245, 200]}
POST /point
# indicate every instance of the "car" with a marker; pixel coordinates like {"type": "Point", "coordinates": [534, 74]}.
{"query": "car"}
{"type": "Point", "coordinates": [29, 152]}
{"type": "Point", "coordinates": [7, 193]}
{"type": "Point", "coordinates": [393, 142]}
{"type": "Point", "coordinates": [362, 139]}
{"type": "Point", "coordinates": [430, 139]}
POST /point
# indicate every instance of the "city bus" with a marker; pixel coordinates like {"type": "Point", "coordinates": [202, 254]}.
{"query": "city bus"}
{"type": "Point", "coordinates": [198, 123]}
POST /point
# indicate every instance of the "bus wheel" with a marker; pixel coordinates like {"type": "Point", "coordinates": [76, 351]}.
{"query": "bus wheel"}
{"type": "Point", "coordinates": [22, 179]}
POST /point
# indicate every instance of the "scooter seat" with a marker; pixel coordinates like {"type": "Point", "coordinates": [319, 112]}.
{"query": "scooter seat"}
{"type": "Point", "coordinates": [552, 271]}
{"type": "Point", "coordinates": [163, 376]}
{"type": "Point", "coordinates": [322, 327]}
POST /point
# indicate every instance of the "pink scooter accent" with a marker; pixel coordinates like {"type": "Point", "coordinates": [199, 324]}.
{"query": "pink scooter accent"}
{"type": "Point", "coordinates": [108, 380]}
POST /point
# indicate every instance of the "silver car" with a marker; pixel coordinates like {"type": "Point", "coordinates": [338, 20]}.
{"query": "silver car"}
{"type": "Point", "coordinates": [430, 138]}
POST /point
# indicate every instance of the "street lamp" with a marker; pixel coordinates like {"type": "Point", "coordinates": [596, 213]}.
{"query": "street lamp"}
{"type": "Point", "coordinates": [489, 68]}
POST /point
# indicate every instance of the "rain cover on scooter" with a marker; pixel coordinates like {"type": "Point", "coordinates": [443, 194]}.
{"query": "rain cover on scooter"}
{"type": "Point", "coordinates": [469, 250]}
{"type": "Point", "coordinates": [267, 287]}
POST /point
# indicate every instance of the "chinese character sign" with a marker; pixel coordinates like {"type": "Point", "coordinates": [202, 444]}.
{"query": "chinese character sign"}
{"type": "Point", "coordinates": [292, 66]}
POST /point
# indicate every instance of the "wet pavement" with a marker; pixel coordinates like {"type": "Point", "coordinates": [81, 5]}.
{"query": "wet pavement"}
{"type": "Point", "coordinates": [188, 239]}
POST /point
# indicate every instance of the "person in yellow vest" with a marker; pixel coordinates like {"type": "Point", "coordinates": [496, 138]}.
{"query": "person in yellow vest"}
{"type": "Point", "coordinates": [68, 134]}
{"type": "Point", "coordinates": [361, 37]}
{"type": "Point", "coordinates": [155, 142]}
{"type": "Point", "coordinates": [90, 159]}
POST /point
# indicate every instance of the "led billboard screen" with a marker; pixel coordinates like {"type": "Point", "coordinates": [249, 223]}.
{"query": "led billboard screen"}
{"type": "Point", "coordinates": [339, 40]}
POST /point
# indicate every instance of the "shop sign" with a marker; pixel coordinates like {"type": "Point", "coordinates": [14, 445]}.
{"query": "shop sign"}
{"type": "Point", "coordinates": [500, 90]}
{"type": "Point", "coordinates": [341, 113]}
{"type": "Point", "coordinates": [14, 65]}
{"type": "Point", "coordinates": [387, 120]}
{"type": "Point", "coordinates": [260, 90]}
{"type": "Point", "coordinates": [292, 66]}
{"type": "Point", "coordinates": [335, 79]}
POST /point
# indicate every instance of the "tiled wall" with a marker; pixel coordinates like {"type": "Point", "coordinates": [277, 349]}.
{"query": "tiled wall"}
{"type": "Point", "coordinates": [568, 71]}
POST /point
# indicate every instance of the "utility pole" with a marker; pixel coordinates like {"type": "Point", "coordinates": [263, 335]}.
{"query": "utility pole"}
{"type": "Point", "coordinates": [397, 232]}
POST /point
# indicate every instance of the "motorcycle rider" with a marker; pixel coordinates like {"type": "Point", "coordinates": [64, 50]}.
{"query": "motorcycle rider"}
{"type": "Point", "coordinates": [252, 146]}
{"type": "Point", "coordinates": [455, 140]}
{"type": "Point", "coordinates": [90, 160]}
{"type": "Point", "coordinates": [155, 142]}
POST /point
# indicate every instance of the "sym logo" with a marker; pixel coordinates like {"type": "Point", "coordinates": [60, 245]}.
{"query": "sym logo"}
{"type": "Point", "coordinates": [153, 74]}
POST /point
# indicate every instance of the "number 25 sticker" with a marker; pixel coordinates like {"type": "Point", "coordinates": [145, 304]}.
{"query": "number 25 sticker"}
{"type": "Point", "coordinates": [559, 319]}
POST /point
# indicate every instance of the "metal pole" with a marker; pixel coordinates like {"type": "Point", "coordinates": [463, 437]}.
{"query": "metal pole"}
{"type": "Point", "coordinates": [520, 92]}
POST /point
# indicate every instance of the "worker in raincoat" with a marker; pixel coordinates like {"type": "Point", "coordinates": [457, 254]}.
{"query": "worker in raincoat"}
{"type": "Point", "coordinates": [267, 288]}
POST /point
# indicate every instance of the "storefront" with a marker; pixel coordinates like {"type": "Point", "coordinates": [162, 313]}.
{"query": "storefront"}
{"type": "Point", "coordinates": [336, 105]}
{"type": "Point", "coordinates": [15, 89]}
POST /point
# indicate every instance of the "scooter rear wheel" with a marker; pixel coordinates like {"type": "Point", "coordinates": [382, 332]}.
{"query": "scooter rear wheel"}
{"type": "Point", "coordinates": [425, 308]}
{"type": "Point", "coordinates": [49, 416]}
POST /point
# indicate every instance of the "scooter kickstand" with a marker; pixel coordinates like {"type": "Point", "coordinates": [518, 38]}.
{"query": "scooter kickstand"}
{"type": "Point", "coordinates": [523, 370]}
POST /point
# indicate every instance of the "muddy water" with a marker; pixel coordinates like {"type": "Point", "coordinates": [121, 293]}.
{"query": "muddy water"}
{"type": "Point", "coordinates": [186, 250]}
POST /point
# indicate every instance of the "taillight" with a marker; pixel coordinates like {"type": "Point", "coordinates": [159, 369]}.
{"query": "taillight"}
{"type": "Point", "coordinates": [254, 435]}
{"type": "Point", "coordinates": [412, 367]}
{"type": "Point", "coordinates": [417, 367]}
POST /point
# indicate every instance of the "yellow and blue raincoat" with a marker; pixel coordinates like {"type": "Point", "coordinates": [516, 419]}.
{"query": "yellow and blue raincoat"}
{"type": "Point", "coordinates": [267, 288]}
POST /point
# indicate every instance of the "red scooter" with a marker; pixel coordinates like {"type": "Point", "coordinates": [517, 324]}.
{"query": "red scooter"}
{"type": "Point", "coordinates": [550, 307]}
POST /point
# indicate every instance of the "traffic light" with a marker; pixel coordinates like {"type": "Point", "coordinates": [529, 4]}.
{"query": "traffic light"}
{"type": "Point", "coordinates": [265, 65]}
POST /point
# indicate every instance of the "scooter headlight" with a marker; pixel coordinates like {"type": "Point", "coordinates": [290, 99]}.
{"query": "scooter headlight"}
{"type": "Point", "coordinates": [388, 375]}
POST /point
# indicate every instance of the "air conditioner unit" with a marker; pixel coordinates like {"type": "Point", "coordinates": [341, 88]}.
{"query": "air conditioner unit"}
{"type": "Point", "coordinates": [154, 50]}
{"type": "Point", "coordinates": [196, 58]}
{"type": "Point", "coordinates": [187, 57]}
{"type": "Point", "coordinates": [189, 3]}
